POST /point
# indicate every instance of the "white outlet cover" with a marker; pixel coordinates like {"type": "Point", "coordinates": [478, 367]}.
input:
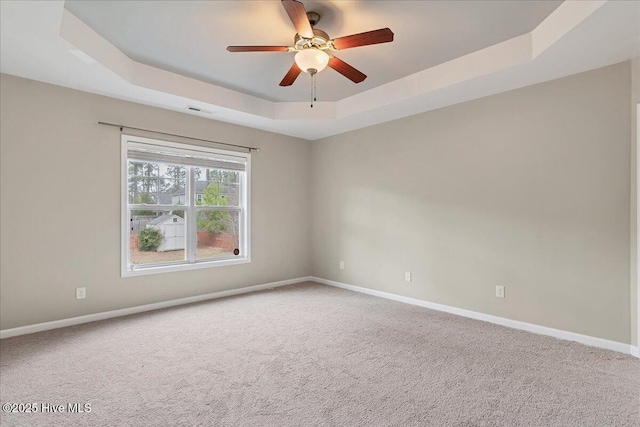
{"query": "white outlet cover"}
{"type": "Point", "coordinates": [499, 291]}
{"type": "Point", "coordinates": [81, 293]}
{"type": "Point", "coordinates": [407, 276]}
{"type": "Point", "coordinates": [341, 265]}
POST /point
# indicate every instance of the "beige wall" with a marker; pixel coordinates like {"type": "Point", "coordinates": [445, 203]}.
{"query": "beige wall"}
{"type": "Point", "coordinates": [528, 189]}
{"type": "Point", "coordinates": [635, 99]}
{"type": "Point", "coordinates": [60, 205]}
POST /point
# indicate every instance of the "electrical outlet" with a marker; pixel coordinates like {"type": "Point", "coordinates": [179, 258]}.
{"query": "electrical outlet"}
{"type": "Point", "coordinates": [407, 276]}
{"type": "Point", "coordinates": [81, 293]}
{"type": "Point", "coordinates": [341, 265]}
{"type": "Point", "coordinates": [499, 291]}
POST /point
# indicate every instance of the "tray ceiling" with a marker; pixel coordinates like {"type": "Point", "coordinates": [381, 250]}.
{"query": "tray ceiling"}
{"type": "Point", "coordinates": [172, 54]}
{"type": "Point", "coordinates": [189, 38]}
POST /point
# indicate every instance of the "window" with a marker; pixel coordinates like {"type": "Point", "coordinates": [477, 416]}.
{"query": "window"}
{"type": "Point", "coordinates": [183, 206]}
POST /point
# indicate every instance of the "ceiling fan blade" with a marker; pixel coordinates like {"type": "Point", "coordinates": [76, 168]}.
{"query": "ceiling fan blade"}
{"type": "Point", "coordinates": [298, 16]}
{"type": "Point", "coordinates": [291, 75]}
{"type": "Point", "coordinates": [383, 35]}
{"type": "Point", "coordinates": [257, 48]}
{"type": "Point", "coordinates": [346, 70]}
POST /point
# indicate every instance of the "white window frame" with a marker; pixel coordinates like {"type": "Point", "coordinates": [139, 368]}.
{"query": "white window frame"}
{"type": "Point", "coordinates": [190, 209]}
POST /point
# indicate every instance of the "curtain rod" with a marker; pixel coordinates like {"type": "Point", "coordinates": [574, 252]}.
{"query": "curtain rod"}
{"type": "Point", "coordinates": [257, 149]}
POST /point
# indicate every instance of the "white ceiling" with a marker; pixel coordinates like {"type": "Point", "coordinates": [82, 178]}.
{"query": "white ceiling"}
{"type": "Point", "coordinates": [190, 38]}
{"type": "Point", "coordinates": [468, 50]}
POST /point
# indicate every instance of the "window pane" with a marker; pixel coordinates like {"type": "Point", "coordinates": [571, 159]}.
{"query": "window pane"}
{"type": "Point", "coordinates": [156, 237]}
{"type": "Point", "coordinates": [155, 183]}
{"type": "Point", "coordinates": [215, 187]}
{"type": "Point", "coordinates": [173, 183]}
{"type": "Point", "coordinates": [218, 234]}
{"type": "Point", "coordinates": [143, 190]}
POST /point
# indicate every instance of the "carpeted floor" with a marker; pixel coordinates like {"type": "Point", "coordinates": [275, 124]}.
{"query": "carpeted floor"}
{"type": "Point", "coordinates": [308, 355]}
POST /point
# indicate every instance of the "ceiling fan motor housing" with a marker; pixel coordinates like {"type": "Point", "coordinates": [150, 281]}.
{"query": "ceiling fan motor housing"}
{"type": "Point", "coordinates": [319, 41]}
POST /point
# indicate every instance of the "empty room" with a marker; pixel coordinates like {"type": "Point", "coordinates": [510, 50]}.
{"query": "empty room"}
{"type": "Point", "coordinates": [319, 213]}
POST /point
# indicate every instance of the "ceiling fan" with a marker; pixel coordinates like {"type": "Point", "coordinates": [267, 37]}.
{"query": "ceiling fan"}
{"type": "Point", "coordinates": [312, 46]}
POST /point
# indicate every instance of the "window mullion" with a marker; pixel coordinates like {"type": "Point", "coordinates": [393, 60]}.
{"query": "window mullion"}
{"type": "Point", "coordinates": [156, 207]}
{"type": "Point", "coordinates": [220, 208]}
{"type": "Point", "coordinates": [241, 229]}
{"type": "Point", "coordinates": [192, 225]}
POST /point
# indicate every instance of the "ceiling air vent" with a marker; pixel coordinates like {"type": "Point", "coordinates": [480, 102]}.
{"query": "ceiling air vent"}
{"type": "Point", "coordinates": [198, 110]}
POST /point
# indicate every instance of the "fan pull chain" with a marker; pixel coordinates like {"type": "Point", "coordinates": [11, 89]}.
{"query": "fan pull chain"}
{"type": "Point", "coordinates": [313, 76]}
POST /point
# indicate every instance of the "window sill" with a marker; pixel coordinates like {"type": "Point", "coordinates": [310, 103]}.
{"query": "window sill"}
{"type": "Point", "coordinates": [143, 271]}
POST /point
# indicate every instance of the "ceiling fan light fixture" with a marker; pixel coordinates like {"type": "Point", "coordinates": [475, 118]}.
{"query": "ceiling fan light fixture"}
{"type": "Point", "coordinates": [312, 60]}
{"type": "Point", "coordinates": [310, 44]}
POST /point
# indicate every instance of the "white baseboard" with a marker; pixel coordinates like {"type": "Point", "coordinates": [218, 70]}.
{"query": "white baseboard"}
{"type": "Point", "coordinates": [529, 327]}
{"type": "Point", "coordinates": [543, 330]}
{"type": "Point", "coordinates": [39, 327]}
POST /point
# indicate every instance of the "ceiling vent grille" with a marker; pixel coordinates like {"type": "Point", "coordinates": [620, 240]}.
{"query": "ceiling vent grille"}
{"type": "Point", "coordinates": [198, 110]}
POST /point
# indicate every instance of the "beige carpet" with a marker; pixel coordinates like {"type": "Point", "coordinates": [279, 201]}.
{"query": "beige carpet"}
{"type": "Point", "coordinates": [308, 355]}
